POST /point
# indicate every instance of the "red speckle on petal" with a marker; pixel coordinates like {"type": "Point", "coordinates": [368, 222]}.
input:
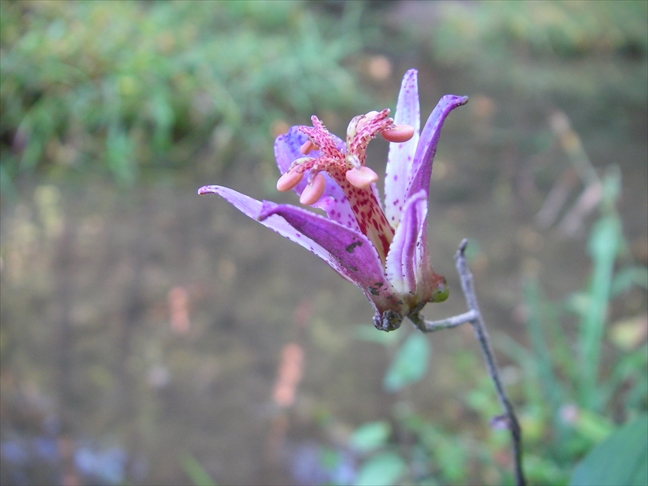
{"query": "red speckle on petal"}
{"type": "Point", "coordinates": [338, 162]}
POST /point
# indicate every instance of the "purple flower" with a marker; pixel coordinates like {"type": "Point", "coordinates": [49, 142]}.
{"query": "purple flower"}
{"type": "Point", "coordinates": [381, 248]}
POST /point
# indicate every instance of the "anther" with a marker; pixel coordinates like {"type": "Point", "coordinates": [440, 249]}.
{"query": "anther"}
{"type": "Point", "coordinates": [398, 134]}
{"type": "Point", "coordinates": [289, 180]}
{"type": "Point", "coordinates": [361, 177]}
{"type": "Point", "coordinates": [307, 147]}
{"type": "Point", "coordinates": [313, 191]}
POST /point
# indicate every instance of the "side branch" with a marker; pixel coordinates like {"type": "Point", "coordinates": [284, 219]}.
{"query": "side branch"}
{"type": "Point", "coordinates": [454, 321]}
{"type": "Point", "coordinates": [477, 321]}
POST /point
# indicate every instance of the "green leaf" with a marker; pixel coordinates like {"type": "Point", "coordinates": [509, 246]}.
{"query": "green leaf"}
{"type": "Point", "coordinates": [369, 333]}
{"type": "Point", "coordinates": [628, 277]}
{"type": "Point", "coordinates": [592, 425]}
{"type": "Point", "coordinates": [197, 474]}
{"type": "Point", "coordinates": [410, 363]}
{"type": "Point", "coordinates": [381, 470]}
{"type": "Point", "coordinates": [621, 459]}
{"type": "Point", "coordinates": [370, 436]}
{"type": "Point", "coordinates": [603, 246]}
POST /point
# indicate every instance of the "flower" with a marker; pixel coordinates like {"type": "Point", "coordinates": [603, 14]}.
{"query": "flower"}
{"type": "Point", "coordinates": [382, 248]}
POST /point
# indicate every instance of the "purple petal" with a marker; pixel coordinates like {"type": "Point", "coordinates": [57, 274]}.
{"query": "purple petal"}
{"type": "Point", "coordinates": [286, 150]}
{"type": "Point", "coordinates": [336, 205]}
{"type": "Point", "coordinates": [351, 249]}
{"type": "Point", "coordinates": [252, 208]}
{"type": "Point", "coordinates": [407, 261]}
{"type": "Point", "coordinates": [333, 201]}
{"type": "Point", "coordinates": [401, 155]}
{"type": "Point", "coordinates": [422, 167]}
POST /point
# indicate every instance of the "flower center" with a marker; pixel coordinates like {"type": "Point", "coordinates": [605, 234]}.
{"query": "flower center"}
{"type": "Point", "coordinates": [346, 166]}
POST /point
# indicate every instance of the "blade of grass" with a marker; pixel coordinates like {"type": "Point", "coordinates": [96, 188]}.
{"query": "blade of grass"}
{"type": "Point", "coordinates": [197, 474]}
{"type": "Point", "coordinates": [631, 368]}
{"type": "Point", "coordinates": [549, 382]}
{"type": "Point", "coordinates": [520, 355]}
{"type": "Point", "coordinates": [603, 247]}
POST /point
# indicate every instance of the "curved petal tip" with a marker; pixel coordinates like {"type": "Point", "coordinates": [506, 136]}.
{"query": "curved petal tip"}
{"type": "Point", "coordinates": [206, 190]}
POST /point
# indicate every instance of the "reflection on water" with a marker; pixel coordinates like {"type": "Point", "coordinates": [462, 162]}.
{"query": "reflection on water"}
{"type": "Point", "coordinates": [151, 323]}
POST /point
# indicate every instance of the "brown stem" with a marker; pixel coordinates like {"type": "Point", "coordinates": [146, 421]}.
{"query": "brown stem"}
{"type": "Point", "coordinates": [475, 318]}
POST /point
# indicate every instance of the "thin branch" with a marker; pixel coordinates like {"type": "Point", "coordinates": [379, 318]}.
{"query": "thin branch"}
{"type": "Point", "coordinates": [454, 321]}
{"type": "Point", "coordinates": [477, 321]}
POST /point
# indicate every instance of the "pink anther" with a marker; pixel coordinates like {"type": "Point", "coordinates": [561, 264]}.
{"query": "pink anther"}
{"type": "Point", "coordinates": [289, 180]}
{"type": "Point", "coordinates": [361, 177]}
{"type": "Point", "coordinates": [313, 191]}
{"type": "Point", "coordinates": [307, 146]}
{"type": "Point", "coordinates": [399, 134]}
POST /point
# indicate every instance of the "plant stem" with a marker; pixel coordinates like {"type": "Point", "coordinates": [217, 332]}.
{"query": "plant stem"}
{"type": "Point", "coordinates": [477, 321]}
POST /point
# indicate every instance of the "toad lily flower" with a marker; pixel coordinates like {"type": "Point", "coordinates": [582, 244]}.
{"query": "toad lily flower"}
{"type": "Point", "coordinates": [382, 248]}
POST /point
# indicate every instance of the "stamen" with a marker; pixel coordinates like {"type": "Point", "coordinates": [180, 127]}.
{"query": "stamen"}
{"type": "Point", "coordinates": [307, 147]}
{"type": "Point", "coordinates": [398, 134]}
{"type": "Point", "coordinates": [313, 191]}
{"type": "Point", "coordinates": [289, 180]}
{"type": "Point", "coordinates": [346, 167]}
{"type": "Point", "coordinates": [361, 177]}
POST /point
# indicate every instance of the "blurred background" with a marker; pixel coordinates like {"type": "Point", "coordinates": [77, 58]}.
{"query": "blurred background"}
{"type": "Point", "coordinates": [152, 336]}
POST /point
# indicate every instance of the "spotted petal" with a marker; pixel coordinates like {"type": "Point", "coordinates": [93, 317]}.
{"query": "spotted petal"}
{"type": "Point", "coordinates": [333, 201]}
{"type": "Point", "coordinates": [350, 249]}
{"type": "Point", "coordinates": [407, 260]}
{"type": "Point", "coordinates": [401, 155]}
{"type": "Point", "coordinates": [252, 208]}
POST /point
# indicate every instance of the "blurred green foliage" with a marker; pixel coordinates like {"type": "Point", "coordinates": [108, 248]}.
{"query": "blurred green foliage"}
{"type": "Point", "coordinates": [548, 47]}
{"type": "Point", "coordinates": [579, 370]}
{"type": "Point", "coordinates": [543, 28]}
{"type": "Point", "coordinates": [195, 472]}
{"type": "Point", "coordinates": [410, 363]}
{"type": "Point", "coordinates": [567, 342]}
{"type": "Point", "coordinates": [621, 459]}
{"type": "Point", "coordinates": [121, 86]}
